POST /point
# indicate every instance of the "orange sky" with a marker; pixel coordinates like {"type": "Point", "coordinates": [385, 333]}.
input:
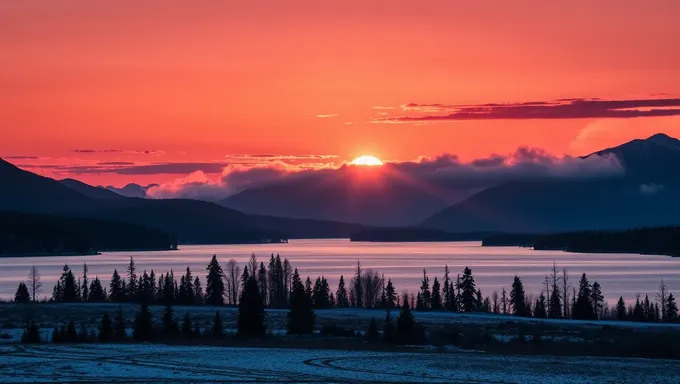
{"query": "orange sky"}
{"type": "Point", "coordinates": [195, 83]}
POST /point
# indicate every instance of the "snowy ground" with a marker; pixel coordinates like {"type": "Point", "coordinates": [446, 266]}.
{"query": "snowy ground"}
{"type": "Point", "coordinates": [172, 364]}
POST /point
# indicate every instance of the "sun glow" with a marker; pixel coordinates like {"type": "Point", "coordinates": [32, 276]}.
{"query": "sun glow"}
{"type": "Point", "coordinates": [367, 160]}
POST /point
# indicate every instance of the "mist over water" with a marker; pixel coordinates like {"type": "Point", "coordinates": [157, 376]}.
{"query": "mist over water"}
{"type": "Point", "coordinates": [493, 267]}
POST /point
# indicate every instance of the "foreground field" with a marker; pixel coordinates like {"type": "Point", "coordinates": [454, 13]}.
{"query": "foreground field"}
{"type": "Point", "coordinates": [162, 363]}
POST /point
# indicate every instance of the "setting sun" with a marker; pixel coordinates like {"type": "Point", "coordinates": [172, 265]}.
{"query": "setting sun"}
{"type": "Point", "coordinates": [367, 160]}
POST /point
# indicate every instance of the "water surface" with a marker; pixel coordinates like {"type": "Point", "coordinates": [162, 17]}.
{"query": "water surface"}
{"type": "Point", "coordinates": [493, 267]}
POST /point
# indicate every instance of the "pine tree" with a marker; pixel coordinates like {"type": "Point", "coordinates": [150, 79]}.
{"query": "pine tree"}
{"type": "Point", "coordinates": [71, 332]}
{"type": "Point", "coordinates": [300, 315]}
{"type": "Point", "coordinates": [105, 328]}
{"type": "Point", "coordinates": [555, 299]}
{"type": "Point", "coordinates": [214, 286]}
{"type": "Point", "coordinates": [170, 327]}
{"type": "Point", "coordinates": [372, 333]}
{"type": "Point", "coordinates": [638, 311]}
{"type": "Point", "coordinates": [217, 329]}
{"type": "Point", "coordinates": [517, 298]}
{"type": "Point", "coordinates": [189, 296]}
{"type": "Point", "coordinates": [357, 287]}
{"type": "Point", "coordinates": [116, 288]}
{"type": "Point", "coordinates": [436, 300]}
{"type": "Point", "coordinates": [131, 286]}
{"type": "Point", "coordinates": [119, 332]}
{"type": "Point", "coordinates": [262, 283]}
{"type": "Point", "coordinates": [597, 300]}
{"type": "Point", "coordinates": [250, 320]}
{"type": "Point", "coordinates": [539, 308]}
{"type": "Point", "coordinates": [320, 293]}
{"type": "Point", "coordinates": [467, 285]}
{"type": "Point", "coordinates": [187, 327]}
{"type": "Point", "coordinates": [308, 288]}
{"type": "Point", "coordinates": [479, 302]}
{"type": "Point", "coordinates": [407, 330]}
{"type": "Point", "coordinates": [583, 308]}
{"type": "Point", "coordinates": [504, 302]}
{"type": "Point", "coordinates": [425, 294]}
{"type": "Point", "coordinates": [390, 295]}
{"type": "Point", "coordinates": [69, 288]}
{"type": "Point", "coordinates": [31, 334]}
{"type": "Point", "coordinates": [22, 295]}
{"type": "Point", "coordinates": [96, 293]}
{"type": "Point", "coordinates": [198, 291]}
{"type": "Point", "coordinates": [341, 294]}
{"type": "Point", "coordinates": [143, 323]}
{"type": "Point", "coordinates": [621, 309]}
{"type": "Point", "coordinates": [671, 309]}
{"type": "Point", "coordinates": [447, 299]}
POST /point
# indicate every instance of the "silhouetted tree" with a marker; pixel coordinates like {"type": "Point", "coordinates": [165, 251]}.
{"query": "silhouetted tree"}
{"type": "Point", "coordinates": [539, 308]}
{"type": "Point", "coordinates": [71, 333]}
{"type": "Point", "coordinates": [250, 320]}
{"type": "Point", "coordinates": [425, 294]}
{"type": "Point", "coordinates": [84, 287]}
{"type": "Point", "coordinates": [447, 294]}
{"type": "Point", "coordinates": [341, 294]}
{"type": "Point", "coordinates": [187, 326]}
{"type": "Point", "coordinates": [661, 298]}
{"type": "Point", "coordinates": [217, 329]}
{"type": "Point", "coordinates": [436, 300]}
{"type": "Point", "coordinates": [320, 293]}
{"type": "Point", "coordinates": [390, 295]}
{"type": "Point", "coordinates": [131, 286]}
{"type": "Point", "coordinates": [300, 315]}
{"type": "Point", "coordinates": [119, 332]}
{"type": "Point", "coordinates": [34, 284]}
{"type": "Point", "coordinates": [232, 279]}
{"type": "Point", "coordinates": [583, 308]}
{"type": "Point", "coordinates": [22, 295]}
{"type": "Point", "coordinates": [143, 323]}
{"type": "Point", "coordinates": [214, 286]}
{"type": "Point", "coordinates": [597, 300]}
{"type": "Point", "coordinates": [357, 289]}
{"type": "Point", "coordinates": [198, 291]}
{"type": "Point", "coordinates": [31, 334]}
{"type": "Point", "coordinates": [671, 309]}
{"type": "Point", "coordinates": [96, 293]}
{"type": "Point", "coordinates": [105, 328]}
{"type": "Point", "coordinates": [116, 292]}
{"type": "Point", "coordinates": [555, 303]}
{"type": "Point", "coordinates": [469, 291]}
{"type": "Point", "coordinates": [517, 298]}
{"type": "Point", "coordinates": [262, 283]}
{"type": "Point", "coordinates": [504, 302]}
{"type": "Point", "coordinates": [407, 330]}
{"type": "Point", "coordinates": [621, 309]}
{"type": "Point", "coordinates": [389, 332]}
{"type": "Point", "coordinates": [170, 327]}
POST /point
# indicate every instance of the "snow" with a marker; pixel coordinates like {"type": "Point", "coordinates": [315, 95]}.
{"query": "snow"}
{"type": "Point", "coordinates": [164, 363]}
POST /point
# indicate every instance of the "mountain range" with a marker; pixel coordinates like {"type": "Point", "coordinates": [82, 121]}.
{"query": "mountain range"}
{"type": "Point", "coordinates": [644, 194]}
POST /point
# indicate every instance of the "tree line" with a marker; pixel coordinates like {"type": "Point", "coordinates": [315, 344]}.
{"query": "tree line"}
{"type": "Point", "coordinates": [279, 285]}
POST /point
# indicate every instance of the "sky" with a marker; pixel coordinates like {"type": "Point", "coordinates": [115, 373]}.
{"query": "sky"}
{"type": "Point", "coordinates": [111, 92]}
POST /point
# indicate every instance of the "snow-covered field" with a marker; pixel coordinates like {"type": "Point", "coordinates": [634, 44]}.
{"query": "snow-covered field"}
{"type": "Point", "coordinates": [172, 364]}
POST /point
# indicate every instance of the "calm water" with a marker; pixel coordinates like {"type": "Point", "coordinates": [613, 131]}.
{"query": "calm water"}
{"type": "Point", "coordinates": [493, 268]}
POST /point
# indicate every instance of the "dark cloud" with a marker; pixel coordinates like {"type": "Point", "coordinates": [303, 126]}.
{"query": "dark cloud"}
{"type": "Point", "coordinates": [557, 109]}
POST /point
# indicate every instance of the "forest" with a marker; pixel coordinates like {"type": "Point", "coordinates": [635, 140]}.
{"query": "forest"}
{"type": "Point", "coordinates": [24, 234]}
{"type": "Point", "coordinates": [655, 241]}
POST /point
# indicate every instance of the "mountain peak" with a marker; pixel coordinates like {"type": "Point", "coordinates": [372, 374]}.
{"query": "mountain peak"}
{"type": "Point", "coordinates": [661, 137]}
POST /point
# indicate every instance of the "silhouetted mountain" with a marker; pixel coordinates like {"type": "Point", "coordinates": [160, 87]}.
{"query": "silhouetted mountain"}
{"type": "Point", "coordinates": [27, 192]}
{"type": "Point", "coordinates": [304, 228]}
{"type": "Point", "coordinates": [351, 195]}
{"type": "Point", "coordinates": [33, 234]}
{"type": "Point", "coordinates": [412, 234]}
{"type": "Point", "coordinates": [131, 190]}
{"type": "Point", "coordinates": [645, 196]}
{"type": "Point", "coordinates": [90, 191]}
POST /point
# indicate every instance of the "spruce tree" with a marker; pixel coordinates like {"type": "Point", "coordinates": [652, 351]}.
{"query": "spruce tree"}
{"type": "Point", "coordinates": [447, 300]}
{"type": "Point", "coordinates": [250, 320]}
{"type": "Point", "coordinates": [372, 333]}
{"type": "Point", "coordinates": [597, 300]}
{"type": "Point", "coordinates": [22, 295]}
{"type": "Point", "coordinates": [583, 308]}
{"type": "Point", "coordinates": [390, 295]}
{"type": "Point", "coordinates": [621, 309]}
{"type": "Point", "coordinates": [436, 300]}
{"type": "Point", "coordinates": [217, 329]}
{"type": "Point", "coordinates": [341, 294]}
{"type": "Point", "coordinates": [170, 327]}
{"type": "Point", "coordinates": [539, 308]}
{"type": "Point", "coordinates": [85, 295]}
{"type": "Point", "coordinates": [504, 302]}
{"type": "Point", "coordinates": [517, 298]}
{"type": "Point", "coordinates": [132, 285]}
{"type": "Point", "coordinates": [300, 315]}
{"type": "Point", "coordinates": [407, 331]}
{"type": "Point", "coordinates": [69, 287]}
{"type": "Point", "coordinates": [96, 293]}
{"type": "Point", "coordinates": [119, 331]}
{"type": "Point", "coordinates": [105, 328]}
{"type": "Point", "coordinates": [671, 309]}
{"type": "Point", "coordinates": [358, 287]}
{"type": "Point", "coordinates": [187, 326]}
{"type": "Point", "coordinates": [262, 283]}
{"type": "Point", "coordinates": [31, 334]}
{"type": "Point", "coordinates": [467, 285]}
{"type": "Point", "coordinates": [143, 323]}
{"type": "Point", "coordinates": [425, 294]}
{"type": "Point", "coordinates": [116, 293]}
{"type": "Point", "coordinates": [198, 291]}
{"type": "Point", "coordinates": [214, 286]}
{"type": "Point", "coordinates": [555, 299]}
{"type": "Point", "coordinates": [388, 329]}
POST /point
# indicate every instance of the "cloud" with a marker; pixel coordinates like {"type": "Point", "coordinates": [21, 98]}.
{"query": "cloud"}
{"type": "Point", "coordinates": [325, 116]}
{"type": "Point", "coordinates": [127, 168]}
{"type": "Point", "coordinates": [116, 163]}
{"type": "Point", "coordinates": [443, 174]}
{"type": "Point", "coordinates": [21, 157]}
{"type": "Point", "coordinates": [556, 109]}
{"type": "Point", "coordinates": [127, 151]}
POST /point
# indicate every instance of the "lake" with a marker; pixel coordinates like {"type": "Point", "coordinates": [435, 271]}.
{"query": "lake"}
{"type": "Point", "coordinates": [493, 267]}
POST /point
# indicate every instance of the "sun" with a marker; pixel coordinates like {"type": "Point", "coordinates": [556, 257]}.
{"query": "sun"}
{"type": "Point", "coordinates": [367, 160]}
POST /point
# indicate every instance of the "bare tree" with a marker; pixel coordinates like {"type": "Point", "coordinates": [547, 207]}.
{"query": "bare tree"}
{"type": "Point", "coordinates": [34, 283]}
{"type": "Point", "coordinates": [371, 282]}
{"type": "Point", "coordinates": [232, 276]}
{"type": "Point", "coordinates": [662, 299]}
{"type": "Point", "coordinates": [495, 303]}
{"type": "Point", "coordinates": [565, 291]}
{"type": "Point", "coordinates": [253, 265]}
